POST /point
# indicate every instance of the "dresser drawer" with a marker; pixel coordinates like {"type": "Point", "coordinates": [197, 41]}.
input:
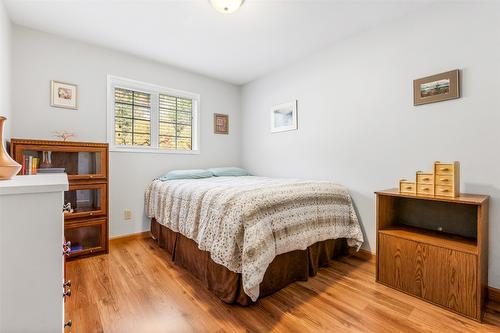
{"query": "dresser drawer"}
{"type": "Point", "coordinates": [407, 187]}
{"type": "Point", "coordinates": [425, 189]}
{"type": "Point", "coordinates": [441, 276]}
{"type": "Point", "coordinates": [444, 191]}
{"type": "Point", "coordinates": [444, 169]}
{"type": "Point", "coordinates": [425, 178]}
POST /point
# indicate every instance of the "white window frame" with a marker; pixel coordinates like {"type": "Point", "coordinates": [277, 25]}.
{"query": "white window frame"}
{"type": "Point", "coordinates": [154, 90]}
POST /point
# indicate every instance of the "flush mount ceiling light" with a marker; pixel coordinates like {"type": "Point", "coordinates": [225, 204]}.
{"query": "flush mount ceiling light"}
{"type": "Point", "coordinates": [226, 6]}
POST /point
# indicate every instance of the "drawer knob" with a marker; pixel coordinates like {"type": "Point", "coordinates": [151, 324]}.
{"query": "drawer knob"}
{"type": "Point", "coordinates": [426, 189]}
{"type": "Point", "coordinates": [69, 323]}
{"type": "Point", "coordinates": [444, 179]}
{"type": "Point", "coordinates": [67, 284]}
{"type": "Point", "coordinates": [426, 179]}
{"type": "Point", "coordinates": [444, 190]}
{"type": "Point", "coordinates": [445, 169]}
{"type": "Point", "coordinates": [67, 293]}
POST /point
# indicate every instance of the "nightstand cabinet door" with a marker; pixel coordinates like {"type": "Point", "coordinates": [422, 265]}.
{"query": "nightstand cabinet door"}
{"type": "Point", "coordinates": [442, 276]}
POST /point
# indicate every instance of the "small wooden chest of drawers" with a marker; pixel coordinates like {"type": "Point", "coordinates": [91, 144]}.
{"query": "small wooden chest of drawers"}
{"type": "Point", "coordinates": [425, 183]}
{"type": "Point", "coordinates": [447, 179]}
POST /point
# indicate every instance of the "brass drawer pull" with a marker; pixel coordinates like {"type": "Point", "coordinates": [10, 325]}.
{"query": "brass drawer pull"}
{"type": "Point", "coordinates": [408, 187]}
{"type": "Point", "coordinates": [444, 180]}
{"type": "Point", "coordinates": [426, 179]}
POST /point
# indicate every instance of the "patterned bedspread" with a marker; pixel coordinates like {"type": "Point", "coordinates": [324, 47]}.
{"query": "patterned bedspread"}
{"type": "Point", "coordinates": [245, 222]}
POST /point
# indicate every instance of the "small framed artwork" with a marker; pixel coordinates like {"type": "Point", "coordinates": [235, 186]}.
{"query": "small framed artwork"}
{"type": "Point", "coordinates": [63, 95]}
{"type": "Point", "coordinates": [221, 123]}
{"type": "Point", "coordinates": [436, 88]}
{"type": "Point", "coordinates": [284, 117]}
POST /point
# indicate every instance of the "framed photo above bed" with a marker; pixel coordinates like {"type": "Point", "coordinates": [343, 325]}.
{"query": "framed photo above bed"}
{"type": "Point", "coordinates": [436, 88]}
{"type": "Point", "coordinates": [284, 117]}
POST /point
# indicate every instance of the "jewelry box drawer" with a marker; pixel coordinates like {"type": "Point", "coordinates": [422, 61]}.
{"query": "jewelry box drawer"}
{"type": "Point", "coordinates": [425, 178]}
{"type": "Point", "coordinates": [425, 189]}
{"type": "Point", "coordinates": [407, 187]}
{"type": "Point", "coordinates": [445, 191]}
{"type": "Point", "coordinates": [444, 169]}
{"type": "Point", "coordinates": [444, 180]}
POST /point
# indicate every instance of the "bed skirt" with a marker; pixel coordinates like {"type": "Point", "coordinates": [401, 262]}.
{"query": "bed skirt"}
{"type": "Point", "coordinates": [227, 285]}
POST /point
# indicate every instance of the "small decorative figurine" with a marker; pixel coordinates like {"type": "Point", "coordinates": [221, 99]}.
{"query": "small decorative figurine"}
{"type": "Point", "coordinates": [63, 135]}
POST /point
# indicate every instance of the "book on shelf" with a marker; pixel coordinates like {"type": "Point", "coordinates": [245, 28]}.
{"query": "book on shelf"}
{"type": "Point", "coordinates": [30, 165]}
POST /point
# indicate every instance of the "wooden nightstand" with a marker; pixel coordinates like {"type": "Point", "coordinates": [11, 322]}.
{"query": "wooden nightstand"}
{"type": "Point", "coordinates": [435, 248]}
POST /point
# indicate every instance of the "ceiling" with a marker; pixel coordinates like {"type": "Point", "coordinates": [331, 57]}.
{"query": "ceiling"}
{"type": "Point", "coordinates": [263, 36]}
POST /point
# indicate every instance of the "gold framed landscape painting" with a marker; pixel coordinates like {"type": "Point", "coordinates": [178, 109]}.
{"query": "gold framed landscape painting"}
{"type": "Point", "coordinates": [436, 88]}
{"type": "Point", "coordinates": [63, 95]}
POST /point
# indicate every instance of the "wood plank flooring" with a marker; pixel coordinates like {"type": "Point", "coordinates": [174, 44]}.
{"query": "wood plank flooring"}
{"type": "Point", "coordinates": [137, 288]}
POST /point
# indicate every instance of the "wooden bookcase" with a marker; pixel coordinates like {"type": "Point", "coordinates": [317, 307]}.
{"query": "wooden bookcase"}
{"type": "Point", "coordinates": [86, 164]}
{"type": "Point", "coordinates": [435, 248]}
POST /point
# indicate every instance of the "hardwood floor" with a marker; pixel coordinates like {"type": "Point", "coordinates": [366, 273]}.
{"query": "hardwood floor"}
{"type": "Point", "coordinates": [137, 288]}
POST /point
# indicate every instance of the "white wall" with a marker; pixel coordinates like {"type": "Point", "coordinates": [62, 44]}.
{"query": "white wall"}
{"type": "Point", "coordinates": [5, 76]}
{"type": "Point", "coordinates": [5, 73]}
{"type": "Point", "coordinates": [39, 57]}
{"type": "Point", "coordinates": [357, 122]}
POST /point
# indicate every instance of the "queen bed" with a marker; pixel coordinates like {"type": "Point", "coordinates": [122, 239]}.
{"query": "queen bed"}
{"type": "Point", "coordinates": [246, 237]}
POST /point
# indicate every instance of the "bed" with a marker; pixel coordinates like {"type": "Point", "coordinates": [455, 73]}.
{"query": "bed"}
{"type": "Point", "coordinates": [247, 237]}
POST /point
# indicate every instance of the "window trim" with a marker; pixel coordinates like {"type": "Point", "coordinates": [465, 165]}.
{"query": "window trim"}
{"type": "Point", "coordinates": [155, 90]}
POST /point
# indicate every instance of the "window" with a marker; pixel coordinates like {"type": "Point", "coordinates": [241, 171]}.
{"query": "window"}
{"type": "Point", "coordinates": [147, 118]}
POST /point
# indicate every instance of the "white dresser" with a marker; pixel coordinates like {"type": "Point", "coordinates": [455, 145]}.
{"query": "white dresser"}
{"type": "Point", "coordinates": [31, 254]}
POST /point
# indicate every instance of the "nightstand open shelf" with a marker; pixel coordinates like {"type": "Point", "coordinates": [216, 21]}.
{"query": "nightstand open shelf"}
{"type": "Point", "coordinates": [440, 239]}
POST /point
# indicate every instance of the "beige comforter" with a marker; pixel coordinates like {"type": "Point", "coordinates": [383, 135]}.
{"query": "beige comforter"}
{"type": "Point", "coordinates": [245, 222]}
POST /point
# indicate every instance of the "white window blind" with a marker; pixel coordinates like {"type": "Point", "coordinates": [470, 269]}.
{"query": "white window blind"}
{"type": "Point", "coordinates": [132, 118]}
{"type": "Point", "coordinates": [148, 118]}
{"type": "Point", "coordinates": [175, 122]}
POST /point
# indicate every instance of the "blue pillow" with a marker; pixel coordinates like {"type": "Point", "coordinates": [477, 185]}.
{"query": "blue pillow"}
{"type": "Point", "coordinates": [186, 174]}
{"type": "Point", "coordinates": [228, 171]}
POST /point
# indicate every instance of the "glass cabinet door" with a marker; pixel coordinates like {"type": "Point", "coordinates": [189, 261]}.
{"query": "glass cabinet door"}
{"type": "Point", "coordinates": [89, 163]}
{"type": "Point", "coordinates": [85, 200]}
{"type": "Point", "coordinates": [86, 237]}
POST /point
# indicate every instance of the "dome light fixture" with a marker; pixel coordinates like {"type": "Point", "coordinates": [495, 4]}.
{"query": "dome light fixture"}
{"type": "Point", "coordinates": [226, 6]}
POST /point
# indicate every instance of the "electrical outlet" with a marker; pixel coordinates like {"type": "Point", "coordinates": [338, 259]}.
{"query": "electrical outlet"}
{"type": "Point", "coordinates": [127, 214]}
